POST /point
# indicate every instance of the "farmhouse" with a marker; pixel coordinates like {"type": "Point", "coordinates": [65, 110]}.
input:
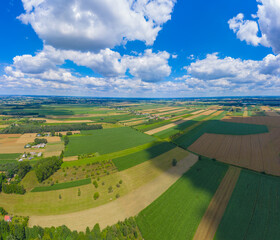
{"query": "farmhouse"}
{"type": "Point", "coordinates": [7, 218]}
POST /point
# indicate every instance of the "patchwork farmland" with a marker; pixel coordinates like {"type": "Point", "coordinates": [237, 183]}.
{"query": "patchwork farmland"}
{"type": "Point", "coordinates": [163, 169]}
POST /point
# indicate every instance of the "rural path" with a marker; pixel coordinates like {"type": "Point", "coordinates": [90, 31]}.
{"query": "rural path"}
{"type": "Point", "coordinates": [119, 209]}
{"type": "Point", "coordinates": [215, 211]}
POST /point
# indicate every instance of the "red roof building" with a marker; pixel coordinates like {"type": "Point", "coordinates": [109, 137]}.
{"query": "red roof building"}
{"type": "Point", "coordinates": [7, 218]}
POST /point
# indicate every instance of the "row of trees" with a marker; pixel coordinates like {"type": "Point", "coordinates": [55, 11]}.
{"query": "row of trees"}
{"type": "Point", "coordinates": [44, 168]}
{"type": "Point", "coordinates": [126, 230]}
{"type": "Point", "coordinates": [13, 188]}
{"type": "Point", "coordinates": [33, 128]}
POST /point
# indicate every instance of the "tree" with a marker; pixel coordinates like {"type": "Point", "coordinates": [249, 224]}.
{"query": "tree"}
{"type": "Point", "coordinates": [96, 195]}
{"type": "Point", "coordinates": [66, 140]}
{"type": "Point", "coordinates": [23, 169]}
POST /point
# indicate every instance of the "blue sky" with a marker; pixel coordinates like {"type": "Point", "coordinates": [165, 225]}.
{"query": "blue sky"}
{"type": "Point", "coordinates": [155, 48]}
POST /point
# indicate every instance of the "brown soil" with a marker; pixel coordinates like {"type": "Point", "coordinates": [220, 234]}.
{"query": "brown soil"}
{"type": "Point", "coordinates": [259, 152]}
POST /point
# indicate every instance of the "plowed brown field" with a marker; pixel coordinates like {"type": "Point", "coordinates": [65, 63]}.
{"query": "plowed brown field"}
{"type": "Point", "coordinates": [259, 152]}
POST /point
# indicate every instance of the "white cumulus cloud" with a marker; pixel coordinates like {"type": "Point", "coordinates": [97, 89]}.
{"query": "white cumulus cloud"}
{"type": "Point", "coordinates": [264, 29]}
{"type": "Point", "coordinates": [92, 25]}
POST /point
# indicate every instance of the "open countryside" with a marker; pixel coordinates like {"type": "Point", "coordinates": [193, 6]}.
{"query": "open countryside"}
{"type": "Point", "coordinates": [139, 120]}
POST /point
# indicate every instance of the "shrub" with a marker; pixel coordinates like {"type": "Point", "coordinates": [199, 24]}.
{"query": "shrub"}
{"type": "Point", "coordinates": [117, 195]}
{"type": "Point", "coordinates": [174, 162]}
{"type": "Point", "coordinates": [95, 184]}
{"type": "Point", "coordinates": [96, 195]}
{"type": "Point", "coordinates": [110, 189]}
{"type": "Point", "coordinates": [118, 185]}
{"type": "Point", "coordinates": [59, 196]}
{"type": "Point", "coordinates": [79, 192]}
{"type": "Point", "coordinates": [3, 211]}
{"type": "Point", "coordinates": [120, 182]}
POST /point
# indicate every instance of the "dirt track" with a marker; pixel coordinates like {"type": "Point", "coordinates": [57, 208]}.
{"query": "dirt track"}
{"type": "Point", "coordinates": [124, 207]}
{"type": "Point", "coordinates": [215, 211]}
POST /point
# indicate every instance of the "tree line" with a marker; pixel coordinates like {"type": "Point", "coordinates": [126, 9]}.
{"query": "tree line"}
{"type": "Point", "coordinates": [126, 230]}
{"type": "Point", "coordinates": [33, 128]}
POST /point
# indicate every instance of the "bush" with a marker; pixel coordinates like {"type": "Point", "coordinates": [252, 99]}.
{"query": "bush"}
{"type": "Point", "coordinates": [3, 211]}
{"type": "Point", "coordinates": [174, 162]}
{"type": "Point", "coordinates": [96, 195]}
{"type": "Point", "coordinates": [69, 133]}
{"type": "Point", "coordinates": [117, 195]}
{"type": "Point", "coordinates": [59, 196]}
{"type": "Point", "coordinates": [79, 192]}
{"type": "Point", "coordinates": [120, 182]}
{"type": "Point", "coordinates": [95, 184]}
{"type": "Point", "coordinates": [118, 185]}
{"type": "Point", "coordinates": [110, 189]}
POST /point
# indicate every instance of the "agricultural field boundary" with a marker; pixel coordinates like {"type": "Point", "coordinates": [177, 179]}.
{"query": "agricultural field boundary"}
{"type": "Point", "coordinates": [60, 186]}
{"type": "Point", "coordinates": [165, 127]}
{"type": "Point", "coordinates": [109, 156]}
{"type": "Point", "coordinates": [124, 207]}
{"type": "Point", "coordinates": [213, 215]}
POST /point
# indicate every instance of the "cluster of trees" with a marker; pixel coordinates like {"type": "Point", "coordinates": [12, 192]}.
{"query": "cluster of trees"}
{"type": "Point", "coordinates": [45, 167]}
{"type": "Point", "coordinates": [40, 140]}
{"type": "Point", "coordinates": [13, 188]}
{"type": "Point", "coordinates": [126, 230]}
{"type": "Point", "coordinates": [23, 169]}
{"type": "Point", "coordinates": [34, 128]}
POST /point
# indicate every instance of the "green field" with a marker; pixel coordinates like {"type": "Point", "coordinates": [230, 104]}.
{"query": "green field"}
{"type": "Point", "coordinates": [176, 214]}
{"type": "Point", "coordinates": [218, 127]}
{"type": "Point", "coordinates": [253, 212]}
{"type": "Point", "coordinates": [106, 141]}
{"type": "Point", "coordinates": [149, 126]}
{"type": "Point", "coordinates": [136, 158]}
{"type": "Point", "coordinates": [171, 131]}
{"type": "Point", "coordinates": [7, 158]}
{"type": "Point", "coordinates": [60, 186]}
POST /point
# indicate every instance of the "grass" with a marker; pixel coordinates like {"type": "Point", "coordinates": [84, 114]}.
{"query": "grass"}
{"type": "Point", "coordinates": [29, 181]}
{"type": "Point", "coordinates": [136, 158]}
{"type": "Point", "coordinates": [218, 127]}
{"type": "Point", "coordinates": [60, 186]}
{"type": "Point", "coordinates": [48, 203]}
{"type": "Point", "coordinates": [9, 157]}
{"type": "Point", "coordinates": [107, 156]}
{"type": "Point", "coordinates": [149, 126]}
{"type": "Point", "coordinates": [106, 141]}
{"type": "Point", "coordinates": [176, 214]}
{"type": "Point", "coordinates": [255, 204]}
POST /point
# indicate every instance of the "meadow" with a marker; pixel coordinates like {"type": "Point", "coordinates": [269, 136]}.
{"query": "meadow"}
{"type": "Point", "coordinates": [46, 203]}
{"type": "Point", "coordinates": [60, 186]}
{"type": "Point", "coordinates": [106, 141]}
{"type": "Point", "coordinates": [176, 214]}
{"type": "Point", "coordinates": [136, 158]}
{"type": "Point", "coordinates": [253, 212]}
